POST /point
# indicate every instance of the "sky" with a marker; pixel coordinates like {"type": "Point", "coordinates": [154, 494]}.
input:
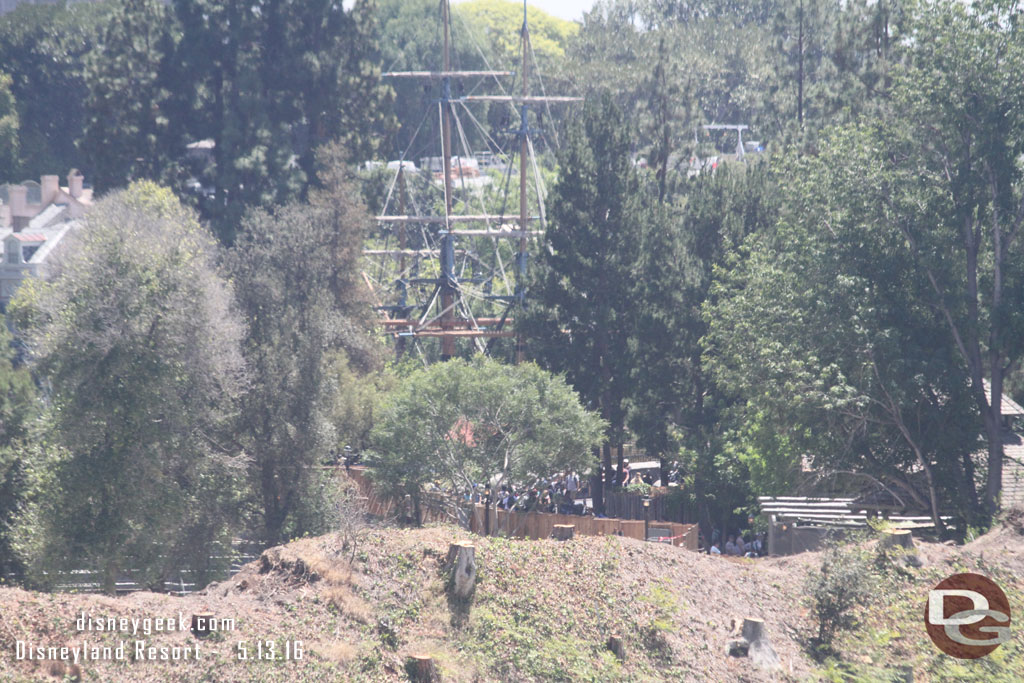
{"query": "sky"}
{"type": "Point", "coordinates": [564, 9]}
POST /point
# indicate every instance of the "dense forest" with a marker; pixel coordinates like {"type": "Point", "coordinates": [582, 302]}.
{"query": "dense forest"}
{"type": "Point", "coordinates": [847, 297]}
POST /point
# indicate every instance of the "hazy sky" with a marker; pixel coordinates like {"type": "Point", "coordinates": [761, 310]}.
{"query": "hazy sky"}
{"type": "Point", "coordinates": [566, 9]}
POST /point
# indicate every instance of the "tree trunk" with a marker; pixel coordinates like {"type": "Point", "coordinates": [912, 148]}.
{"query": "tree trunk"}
{"type": "Point", "coordinates": [421, 669]}
{"type": "Point", "coordinates": [609, 474]}
{"type": "Point", "coordinates": [597, 485]}
{"type": "Point", "coordinates": [761, 652]}
{"type": "Point", "coordinates": [462, 559]}
{"type": "Point", "coordinates": [616, 646]}
{"type": "Point", "coordinates": [800, 69]}
{"type": "Point", "coordinates": [993, 487]}
{"type": "Point", "coordinates": [897, 538]}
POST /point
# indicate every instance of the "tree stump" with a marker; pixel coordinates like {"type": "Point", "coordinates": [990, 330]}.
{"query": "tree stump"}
{"type": "Point", "coordinates": [617, 648]}
{"type": "Point", "coordinates": [462, 556]}
{"type": "Point", "coordinates": [201, 622]}
{"type": "Point", "coordinates": [421, 669]}
{"type": "Point", "coordinates": [761, 652]}
{"type": "Point", "coordinates": [563, 532]}
{"type": "Point", "coordinates": [897, 538]}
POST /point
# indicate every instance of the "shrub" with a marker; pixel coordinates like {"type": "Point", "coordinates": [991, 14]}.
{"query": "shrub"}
{"type": "Point", "coordinates": [843, 582]}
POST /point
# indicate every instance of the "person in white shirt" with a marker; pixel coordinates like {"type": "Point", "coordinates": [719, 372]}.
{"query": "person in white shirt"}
{"type": "Point", "coordinates": [572, 484]}
{"type": "Point", "coordinates": [714, 550]}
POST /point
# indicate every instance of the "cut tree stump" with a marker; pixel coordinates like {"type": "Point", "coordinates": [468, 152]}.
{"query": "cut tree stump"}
{"type": "Point", "coordinates": [563, 532]}
{"type": "Point", "coordinates": [617, 648]}
{"type": "Point", "coordinates": [421, 669]}
{"type": "Point", "coordinates": [897, 538]}
{"type": "Point", "coordinates": [201, 622]}
{"type": "Point", "coordinates": [462, 556]}
{"type": "Point", "coordinates": [761, 652]}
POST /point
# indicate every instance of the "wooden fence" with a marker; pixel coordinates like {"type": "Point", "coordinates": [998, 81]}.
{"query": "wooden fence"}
{"type": "Point", "coordinates": [534, 525]}
{"type": "Point", "coordinates": [540, 525]}
{"type": "Point", "coordinates": [623, 505]}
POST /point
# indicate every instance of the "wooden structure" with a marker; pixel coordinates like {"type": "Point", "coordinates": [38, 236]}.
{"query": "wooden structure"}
{"type": "Point", "coordinates": [797, 523]}
{"type": "Point", "coordinates": [539, 525]}
{"type": "Point", "coordinates": [464, 279]}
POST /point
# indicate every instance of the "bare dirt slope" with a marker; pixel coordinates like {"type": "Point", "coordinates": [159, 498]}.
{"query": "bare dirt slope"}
{"type": "Point", "coordinates": [542, 610]}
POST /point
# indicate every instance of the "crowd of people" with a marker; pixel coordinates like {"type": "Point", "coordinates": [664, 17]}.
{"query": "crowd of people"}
{"type": "Point", "coordinates": [562, 494]}
{"type": "Point", "coordinates": [738, 545]}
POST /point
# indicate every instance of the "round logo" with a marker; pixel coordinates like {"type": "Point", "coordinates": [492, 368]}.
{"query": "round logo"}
{"type": "Point", "coordinates": [967, 616]}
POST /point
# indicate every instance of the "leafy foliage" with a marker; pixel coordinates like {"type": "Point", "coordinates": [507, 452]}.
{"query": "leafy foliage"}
{"type": "Point", "coordinates": [842, 584]}
{"type": "Point", "coordinates": [298, 287]}
{"type": "Point", "coordinates": [8, 124]}
{"type": "Point", "coordinates": [462, 423]}
{"type": "Point", "coordinates": [138, 340]}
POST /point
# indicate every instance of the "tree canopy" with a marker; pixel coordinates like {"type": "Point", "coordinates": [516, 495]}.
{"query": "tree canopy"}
{"type": "Point", "coordinates": [139, 341]}
{"type": "Point", "coordinates": [463, 423]}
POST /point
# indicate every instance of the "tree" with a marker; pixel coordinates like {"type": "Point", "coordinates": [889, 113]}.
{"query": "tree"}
{"type": "Point", "coordinates": [957, 198]}
{"type": "Point", "coordinates": [18, 408]}
{"type": "Point", "coordinates": [8, 125]}
{"type": "Point", "coordinates": [675, 403]}
{"type": "Point", "coordinates": [462, 423]}
{"type": "Point", "coordinates": [138, 344]}
{"type": "Point", "coordinates": [126, 132]}
{"type": "Point", "coordinates": [42, 49]}
{"type": "Point", "coordinates": [582, 318]}
{"type": "Point", "coordinates": [827, 336]}
{"type": "Point", "coordinates": [269, 84]}
{"type": "Point", "coordinates": [298, 285]}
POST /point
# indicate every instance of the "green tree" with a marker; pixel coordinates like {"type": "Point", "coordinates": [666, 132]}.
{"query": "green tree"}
{"type": "Point", "coordinates": [675, 403]}
{"type": "Point", "coordinates": [8, 126]}
{"type": "Point", "coordinates": [462, 423]}
{"type": "Point", "coordinates": [126, 132]}
{"type": "Point", "coordinates": [18, 407]}
{"type": "Point", "coordinates": [137, 342]}
{"type": "Point", "coordinates": [297, 284]}
{"type": "Point", "coordinates": [957, 197]}
{"type": "Point", "coordinates": [826, 334]}
{"type": "Point", "coordinates": [269, 84]}
{"type": "Point", "coordinates": [499, 23]}
{"type": "Point", "coordinates": [582, 317]}
{"type": "Point", "coordinates": [42, 49]}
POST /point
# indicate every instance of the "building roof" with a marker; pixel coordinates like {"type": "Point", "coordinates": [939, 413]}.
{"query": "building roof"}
{"type": "Point", "coordinates": [1009, 407]}
{"type": "Point", "coordinates": [22, 237]}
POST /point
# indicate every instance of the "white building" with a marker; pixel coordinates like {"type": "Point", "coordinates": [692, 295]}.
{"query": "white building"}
{"type": "Point", "coordinates": [34, 218]}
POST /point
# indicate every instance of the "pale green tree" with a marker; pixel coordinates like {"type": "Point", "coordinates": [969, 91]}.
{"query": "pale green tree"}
{"type": "Point", "coordinates": [137, 342]}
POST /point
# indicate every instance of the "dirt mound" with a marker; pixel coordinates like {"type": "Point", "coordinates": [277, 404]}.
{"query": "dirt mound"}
{"type": "Point", "coordinates": [541, 609]}
{"type": "Point", "coordinates": [1004, 543]}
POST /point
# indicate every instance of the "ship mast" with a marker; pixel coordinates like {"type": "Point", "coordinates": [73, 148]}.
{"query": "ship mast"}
{"type": "Point", "coordinates": [450, 323]}
{"type": "Point", "coordinates": [524, 132]}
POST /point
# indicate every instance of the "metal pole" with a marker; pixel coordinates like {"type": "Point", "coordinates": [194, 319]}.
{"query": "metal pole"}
{"type": "Point", "coordinates": [447, 247]}
{"type": "Point", "coordinates": [523, 217]}
{"type": "Point", "coordinates": [402, 286]}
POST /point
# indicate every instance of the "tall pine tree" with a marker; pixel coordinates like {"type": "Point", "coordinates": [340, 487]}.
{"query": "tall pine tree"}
{"type": "Point", "coordinates": [584, 316]}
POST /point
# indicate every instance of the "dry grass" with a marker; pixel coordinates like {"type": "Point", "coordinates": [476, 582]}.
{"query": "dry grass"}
{"type": "Point", "coordinates": [339, 651]}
